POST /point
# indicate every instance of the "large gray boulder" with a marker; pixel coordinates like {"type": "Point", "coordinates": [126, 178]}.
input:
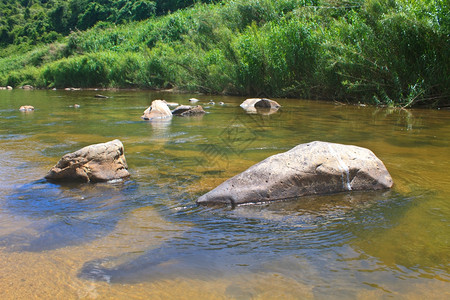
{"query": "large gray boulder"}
{"type": "Point", "coordinates": [157, 110]}
{"type": "Point", "coordinates": [94, 163]}
{"type": "Point", "coordinates": [307, 169]}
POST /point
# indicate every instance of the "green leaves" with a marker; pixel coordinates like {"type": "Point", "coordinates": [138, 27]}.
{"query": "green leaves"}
{"type": "Point", "coordinates": [386, 52]}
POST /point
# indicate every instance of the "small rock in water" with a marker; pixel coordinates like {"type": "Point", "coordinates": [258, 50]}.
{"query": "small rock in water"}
{"type": "Point", "coordinates": [193, 100]}
{"type": "Point", "coordinates": [158, 110]}
{"type": "Point", "coordinates": [171, 103]}
{"type": "Point", "coordinates": [187, 110]}
{"type": "Point", "coordinates": [101, 96]}
{"type": "Point", "coordinates": [26, 108]}
{"type": "Point", "coordinates": [260, 105]}
{"type": "Point", "coordinates": [94, 163]}
{"type": "Point", "coordinates": [221, 103]}
{"type": "Point", "coordinates": [76, 105]}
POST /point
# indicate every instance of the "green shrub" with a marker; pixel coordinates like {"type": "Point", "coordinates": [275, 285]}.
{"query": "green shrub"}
{"type": "Point", "coordinates": [80, 71]}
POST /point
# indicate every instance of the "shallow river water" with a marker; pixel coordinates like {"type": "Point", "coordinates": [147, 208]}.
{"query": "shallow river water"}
{"type": "Point", "coordinates": [144, 238]}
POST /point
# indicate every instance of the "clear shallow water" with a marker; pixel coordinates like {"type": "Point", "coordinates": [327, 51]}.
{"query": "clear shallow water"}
{"type": "Point", "coordinates": [146, 238]}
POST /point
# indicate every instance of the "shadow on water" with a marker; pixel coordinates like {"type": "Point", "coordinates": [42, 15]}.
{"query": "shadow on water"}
{"type": "Point", "coordinates": [66, 214]}
{"type": "Point", "coordinates": [244, 239]}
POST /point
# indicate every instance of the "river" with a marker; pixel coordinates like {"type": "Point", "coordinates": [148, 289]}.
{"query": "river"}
{"type": "Point", "coordinates": [144, 238]}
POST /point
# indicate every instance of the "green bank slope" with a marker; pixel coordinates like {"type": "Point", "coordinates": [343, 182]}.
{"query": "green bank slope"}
{"type": "Point", "coordinates": [382, 52]}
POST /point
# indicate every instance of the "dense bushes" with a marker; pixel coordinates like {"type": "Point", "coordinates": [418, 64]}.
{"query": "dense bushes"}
{"type": "Point", "coordinates": [35, 21]}
{"type": "Point", "coordinates": [386, 52]}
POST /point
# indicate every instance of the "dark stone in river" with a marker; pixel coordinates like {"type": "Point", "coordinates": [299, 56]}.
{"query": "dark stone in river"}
{"type": "Point", "coordinates": [308, 169]}
{"type": "Point", "coordinates": [187, 110]}
{"type": "Point", "coordinates": [94, 163]}
{"type": "Point", "coordinates": [260, 105]}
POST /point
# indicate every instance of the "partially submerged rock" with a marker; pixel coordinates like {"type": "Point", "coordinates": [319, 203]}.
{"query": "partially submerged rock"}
{"type": "Point", "coordinates": [193, 100]}
{"type": "Point", "coordinates": [158, 110]}
{"type": "Point", "coordinates": [187, 110]}
{"type": "Point", "coordinates": [26, 108]}
{"type": "Point", "coordinates": [94, 163]}
{"type": "Point", "coordinates": [27, 87]}
{"type": "Point", "coordinates": [174, 104]}
{"type": "Point", "coordinates": [101, 96]}
{"type": "Point", "coordinates": [260, 105]}
{"type": "Point", "coordinates": [308, 169]}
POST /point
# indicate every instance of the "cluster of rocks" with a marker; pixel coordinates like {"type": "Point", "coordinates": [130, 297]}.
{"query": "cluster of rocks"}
{"type": "Point", "coordinates": [25, 87]}
{"type": "Point", "coordinates": [314, 168]}
{"type": "Point", "coordinates": [159, 109]}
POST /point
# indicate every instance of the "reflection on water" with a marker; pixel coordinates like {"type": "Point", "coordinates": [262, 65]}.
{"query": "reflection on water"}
{"type": "Point", "coordinates": [146, 238]}
{"type": "Point", "coordinates": [59, 213]}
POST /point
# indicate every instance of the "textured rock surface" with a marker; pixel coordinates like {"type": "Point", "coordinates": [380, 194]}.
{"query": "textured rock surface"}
{"type": "Point", "coordinates": [187, 110]}
{"type": "Point", "coordinates": [158, 110]}
{"type": "Point", "coordinates": [308, 169]}
{"type": "Point", "coordinates": [94, 163]}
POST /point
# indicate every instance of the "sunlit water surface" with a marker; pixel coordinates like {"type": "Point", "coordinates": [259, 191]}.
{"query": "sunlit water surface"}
{"type": "Point", "coordinates": [146, 238]}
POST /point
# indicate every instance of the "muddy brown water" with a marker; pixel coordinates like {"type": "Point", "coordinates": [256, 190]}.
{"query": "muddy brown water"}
{"type": "Point", "coordinates": [145, 238]}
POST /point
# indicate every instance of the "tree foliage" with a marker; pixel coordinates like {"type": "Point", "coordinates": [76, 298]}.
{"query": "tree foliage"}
{"type": "Point", "coordinates": [385, 52]}
{"type": "Point", "coordinates": [35, 21]}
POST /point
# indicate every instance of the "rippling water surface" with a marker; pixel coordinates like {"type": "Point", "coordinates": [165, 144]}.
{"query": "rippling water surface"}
{"type": "Point", "coordinates": [146, 238]}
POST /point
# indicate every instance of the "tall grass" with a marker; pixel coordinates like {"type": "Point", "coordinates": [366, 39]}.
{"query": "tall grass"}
{"type": "Point", "coordinates": [386, 52]}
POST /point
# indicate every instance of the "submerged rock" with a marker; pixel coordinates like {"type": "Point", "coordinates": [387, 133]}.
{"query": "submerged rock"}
{"type": "Point", "coordinates": [308, 169]}
{"type": "Point", "coordinates": [101, 96]}
{"type": "Point", "coordinates": [26, 108]}
{"type": "Point", "coordinates": [174, 104]}
{"type": "Point", "coordinates": [260, 105]}
{"type": "Point", "coordinates": [187, 110]}
{"type": "Point", "coordinates": [158, 110]}
{"type": "Point", "coordinates": [94, 163]}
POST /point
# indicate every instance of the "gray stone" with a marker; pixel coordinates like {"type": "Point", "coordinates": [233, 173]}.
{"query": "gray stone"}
{"type": "Point", "coordinates": [260, 105]}
{"type": "Point", "coordinates": [187, 110]}
{"type": "Point", "coordinates": [308, 169]}
{"type": "Point", "coordinates": [94, 163]}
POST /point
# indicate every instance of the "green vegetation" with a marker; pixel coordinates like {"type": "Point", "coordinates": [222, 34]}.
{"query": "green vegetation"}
{"type": "Point", "coordinates": [384, 52]}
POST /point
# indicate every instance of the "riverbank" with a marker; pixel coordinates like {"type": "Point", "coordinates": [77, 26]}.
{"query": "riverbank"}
{"type": "Point", "coordinates": [385, 53]}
